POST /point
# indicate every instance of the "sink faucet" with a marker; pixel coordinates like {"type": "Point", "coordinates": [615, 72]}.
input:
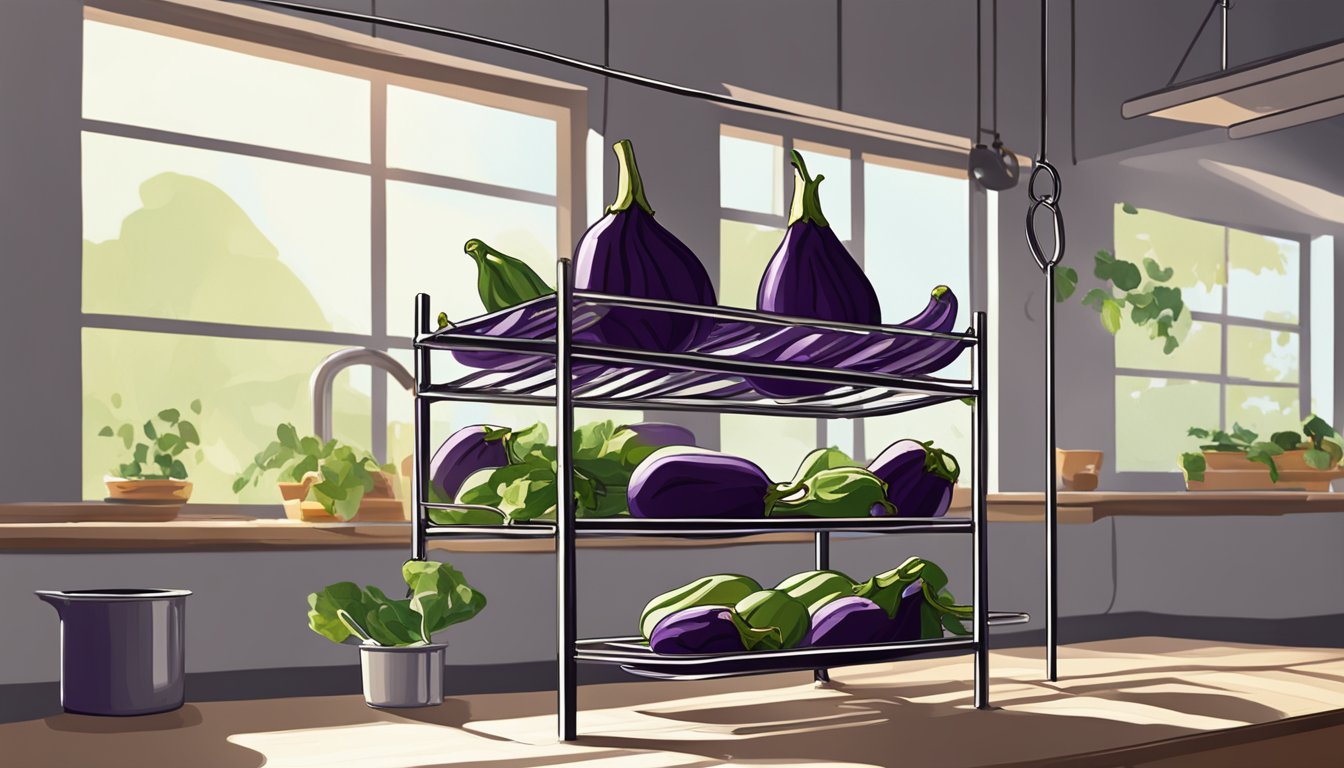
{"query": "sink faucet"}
{"type": "Point", "coordinates": [325, 374]}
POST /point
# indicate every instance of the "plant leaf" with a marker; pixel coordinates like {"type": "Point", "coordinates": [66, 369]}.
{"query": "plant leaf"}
{"type": "Point", "coordinates": [150, 432]}
{"type": "Point", "coordinates": [1066, 282]}
{"type": "Point", "coordinates": [288, 436]}
{"type": "Point", "coordinates": [1317, 459]}
{"type": "Point", "coordinates": [105, 432]}
{"type": "Point", "coordinates": [1170, 344]}
{"type": "Point", "coordinates": [141, 453]}
{"type": "Point", "coordinates": [127, 434]}
{"type": "Point", "coordinates": [188, 432]}
{"type": "Point", "coordinates": [170, 415]}
{"type": "Point", "coordinates": [1156, 271]}
{"type": "Point", "coordinates": [1095, 298]}
{"type": "Point", "coordinates": [1193, 465]}
{"type": "Point", "coordinates": [116, 400]}
{"type": "Point", "coordinates": [1127, 208]}
{"type": "Point", "coordinates": [1198, 432]}
{"type": "Point", "coordinates": [196, 406]}
{"type": "Point", "coordinates": [178, 471]}
{"type": "Point", "coordinates": [1288, 440]}
{"type": "Point", "coordinates": [1242, 434]}
{"type": "Point", "coordinates": [1125, 275]}
{"type": "Point", "coordinates": [1110, 315]}
{"type": "Point", "coordinates": [1102, 265]}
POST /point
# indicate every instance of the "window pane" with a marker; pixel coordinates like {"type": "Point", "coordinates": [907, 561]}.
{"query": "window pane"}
{"type": "Point", "coordinates": [1200, 351]}
{"type": "Point", "coordinates": [835, 165]}
{"type": "Point", "coordinates": [246, 388]}
{"type": "Point", "coordinates": [1264, 277]}
{"type": "Point", "coordinates": [1261, 354]}
{"type": "Point", "coordinates": [744, 251]}
{"type": "Point", "coordinates": [450, 137]}
{"type": "Point", "coordinates": [426, 229]}
{"type": "Point", "coordinates": [191, 234]}
{"type": "Point", "coordinates": [751, 175]}
{"type": "Point", "coordinates": [1151, 419]}
{"type": "Point", "coordinates": [1193, 249]}
{"type": "Point", "coordinates": [916, 237]}
{"type": "Point", "coordinates": [948, 425]}
{"type": "Point", "coordinates": [156, 81]}
{"type": "Point", "coordinates": [1263, 409]}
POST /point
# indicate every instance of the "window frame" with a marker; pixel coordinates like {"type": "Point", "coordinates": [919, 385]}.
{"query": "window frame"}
{"type": "Point", "coordinates": [1225, 320]}
{"type": "Point", "coordinates": [383, 64]}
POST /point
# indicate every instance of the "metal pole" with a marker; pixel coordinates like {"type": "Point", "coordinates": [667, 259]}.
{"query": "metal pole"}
{"type": "Point", "coordinates": [419, 480]}
{"type": "Point", "coordinates": [823, 561]}
{"type": "Point", "coordinates": [1051, 499]}
{"type": "Point", "coordinates": [566, 685]}
{"type": "Point", "coordinates": [980, 439]}
{"type": "Point", "coordinates": [1226, 5]}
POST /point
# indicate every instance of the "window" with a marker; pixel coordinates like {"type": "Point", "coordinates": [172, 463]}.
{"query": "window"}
{"type": "Point", "coordinates": [250, 210]}
{"type": "Point", "coordinates": [1244, 353]}
{"type": "Point", "coordinates": [907, 225]}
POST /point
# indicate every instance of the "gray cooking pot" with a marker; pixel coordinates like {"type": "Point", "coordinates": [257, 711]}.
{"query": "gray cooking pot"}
{"type": "Point", "coordinates": [121, 649]}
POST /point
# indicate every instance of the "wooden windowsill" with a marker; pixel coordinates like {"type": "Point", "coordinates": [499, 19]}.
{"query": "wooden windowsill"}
{"type": "Point", "coordinates": [221, 529]}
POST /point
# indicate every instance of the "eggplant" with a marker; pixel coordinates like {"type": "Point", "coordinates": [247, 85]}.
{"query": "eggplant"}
{"type": "Point", "coordinates": [812, 275]}
{"type": "Point", "coordinates": [690, 482]}
{"type": "Point", "coordinates": [465, 452]}
{"type": "Point", "coordinates": [908, 622]}
{"type": "Point", "coordinates": [782, 620]}
{"type": "Point", "coordinates": [890, 354]}
{"type": "Point", "coordinates": [703, 629]}
{"type": "Point", "coordinates": [501, 280]}
{"type": "Point", "coordinates": [815, 589]}
{"type": "Point", "coordinates": [661, 435]}
{"type": "Point", "coordinates": [849, 620]}
{"type": "Point", "coordinates": [919, 477]}
{"type": "Point", "coordinates": [722, 589]}
{"type": "Point", "coordinates": [839, 492]}
{"type": "Point", "coordinates": [627, 252]}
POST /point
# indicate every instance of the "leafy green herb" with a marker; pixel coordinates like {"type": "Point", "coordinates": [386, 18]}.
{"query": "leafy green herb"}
{"type": "Point", "coordinates": [1066, 282]}
{"type": "Point", "coordinates": [1127, 208]}
{"type": "Point", "coordinates": [155, 458]}
{"type": "Point", "coordinates": [439, 598]}
{"type": "Point", "coordinates": [1151, 305]}
{"type": "Point", "coordinates": [344, 473]}
{"type": "Point", "coordinates": [1320, 453]}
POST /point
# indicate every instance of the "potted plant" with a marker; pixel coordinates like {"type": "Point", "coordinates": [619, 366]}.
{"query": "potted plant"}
{"type": "Point", "coordinates": [402, 665]}
{"type": "Point", "coordinates": [1227, 460]}
{"type": "Point", "coordinates": [155, 471]}
{"type": "Point", "coordinates": [321, 480]}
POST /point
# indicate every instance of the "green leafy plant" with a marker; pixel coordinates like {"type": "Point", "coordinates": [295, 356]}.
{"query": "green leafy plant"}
{"type": "Point", "coordinates": [342, 474]}
{"type": "Point", "coordinates": [439, 597]}
{"type": "Point", "coordinates": [1320, 453]}
{"type": "Point", "coordinates": [1151, 303]}
{"type": "Point", "coordinates": [158, 456]}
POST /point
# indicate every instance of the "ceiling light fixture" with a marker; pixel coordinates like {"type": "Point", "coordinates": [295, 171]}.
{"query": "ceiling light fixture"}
{"type": "Point", "coordinates": [1271, 94]}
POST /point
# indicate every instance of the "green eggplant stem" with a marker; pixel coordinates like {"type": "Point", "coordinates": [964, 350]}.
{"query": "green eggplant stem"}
{"type": "Point", "coordinates": [478, 250]}
{"type": "Point", "coordinates": [940, 291]}
{"type": "Point", "coordinates": [629, 185]}
{"type": "Point", "coordinates": [806, 197]}
{"type": "Point", "coordinates": [781, 491]}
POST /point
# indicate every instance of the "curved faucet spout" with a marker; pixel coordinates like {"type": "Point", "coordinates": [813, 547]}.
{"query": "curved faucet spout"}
{"type": "Point", "coordinates": [326, 371]}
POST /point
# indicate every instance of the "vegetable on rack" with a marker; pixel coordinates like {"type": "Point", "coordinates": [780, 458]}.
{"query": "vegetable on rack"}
{"type": "Point", "coordinates": [908, 623]}
{"type": "Point", "coordinates": [702, 629]}
{"type": "Point", "coordinates": [503, 281]}
{"type": "Point", "coordinates": [815, 589]}
{"type": "Point", "coordinates": [848, 620]}
{"type": "Point", "coordinates": [919, 477]}
{"type": "Point", "coordinates": [627, 252]}
{"type": "Point", "coordinates": [687, 482]}
{"type": "Point", "coordinates": [439, 597]}
{"type": "Point", "coordinates": [721, 589]}
{"type": "Point", "coordinates": [785, 618]}
{"type": "Point", "coordinates": [465, 452]}
{"type": "Point", "coordinates": [895, 353]}
{"type": "Point", "coordinates": [940, 611]}
{"type": "Point", "coordinates": [839, 492]}
{"type": "Point", "coordinates": [812, 275]}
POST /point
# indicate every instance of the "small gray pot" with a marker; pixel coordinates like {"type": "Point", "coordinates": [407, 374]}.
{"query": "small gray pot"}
{"type": "Point", "coordinates": [402, 677]}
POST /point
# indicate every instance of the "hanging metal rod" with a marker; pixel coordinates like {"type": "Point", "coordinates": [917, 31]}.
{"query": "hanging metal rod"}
{"type": "Point", "coordinates": [536, 53]}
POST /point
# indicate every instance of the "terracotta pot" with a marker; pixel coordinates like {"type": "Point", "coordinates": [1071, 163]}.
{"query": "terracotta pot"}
{"type": "Point", "coordinates": [157, 491]}
{"type": "Point", "coordinates": [1077, 470]}
{"type": "Point", "coordinates": [1232, 471]}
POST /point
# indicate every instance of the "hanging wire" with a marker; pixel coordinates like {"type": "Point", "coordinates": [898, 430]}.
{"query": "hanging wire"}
{"type": "Point", "coordinates": [1215, 6]}
{"type": "Point", "coordinates": [536, 53]}
{"type": "Point", "coordinates": [979, 71]}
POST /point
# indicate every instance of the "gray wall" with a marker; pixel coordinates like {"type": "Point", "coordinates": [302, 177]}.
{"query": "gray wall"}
{"type": "Point", "coordinates": [247, 611]}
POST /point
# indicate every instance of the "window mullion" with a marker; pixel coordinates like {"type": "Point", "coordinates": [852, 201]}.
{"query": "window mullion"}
{"type": "Point", "coordinates": [378, 262]}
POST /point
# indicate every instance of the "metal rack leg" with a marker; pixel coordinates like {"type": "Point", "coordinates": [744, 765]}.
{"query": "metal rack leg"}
{"type": "Point", "coordinates": [979, 512]}
{"type": "Point", "coordinates": [1051, 500]}
{"type": "Point", "coordinates": [823, 560]}
{"type": "Point", "coordinates": [566, 684]}
{"type": "Point", "coordinates": [419, 482]}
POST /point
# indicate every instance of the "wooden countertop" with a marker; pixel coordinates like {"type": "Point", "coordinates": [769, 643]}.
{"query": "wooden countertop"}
{"type": "Point", "coordinates": [1143, 702]}
{"type": "Point", "coordinates": [215, 528]}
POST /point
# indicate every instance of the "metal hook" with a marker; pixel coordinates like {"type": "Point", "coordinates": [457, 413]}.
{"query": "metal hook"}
{"type": "Point", "coordinates": [1050, 202]}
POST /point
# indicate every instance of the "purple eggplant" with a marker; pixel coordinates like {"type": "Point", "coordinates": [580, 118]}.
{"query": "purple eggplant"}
{"type": "Point", "coordinates": [703, 629]}
{"type": "Point", "coordinates": [812, 275]}
{"type": "Point", "coordinates": [660, 435]}
{"type": "Point", "coordinates": [848, 621]}
{"type": "Point", "coordinates": [919, 477]}
{"type": "Point", "coordinates": [893, 354]}
{"type": "Point", "coordinates": [697, 483]}
{"type": "Point", "coordinates": [628, 253]}
{"type": "Point", "coordinates": [465, 452]}
{"type": "Point", "coordinates": [907, 624]}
